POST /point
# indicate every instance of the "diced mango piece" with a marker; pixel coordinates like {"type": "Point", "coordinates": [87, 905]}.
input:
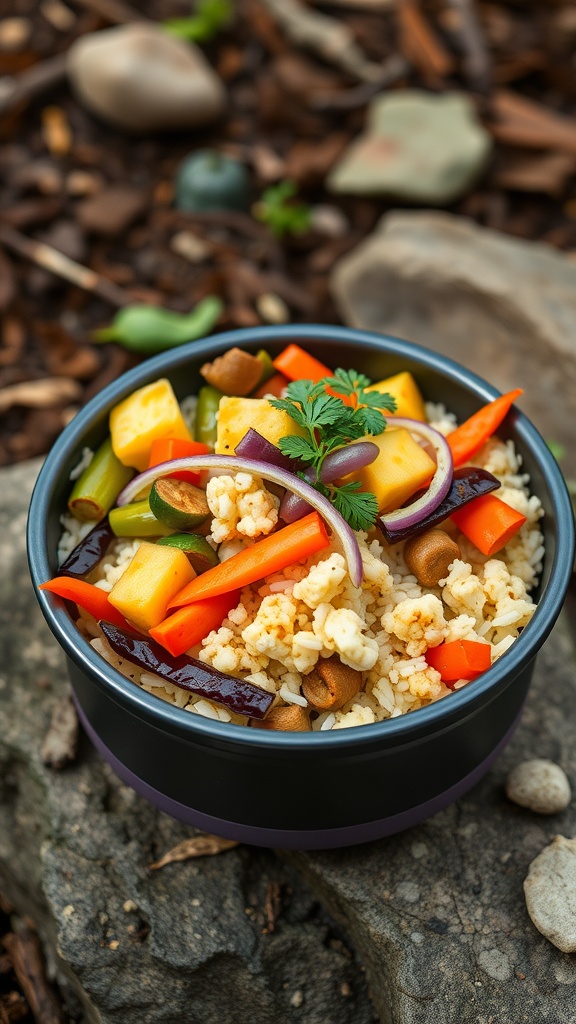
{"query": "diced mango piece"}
{"type": "Point", "coordinates": [150, 413]}
{"type": "Point", "coordinates": [401, 468]}
{"type": "Point", "coordinates": [237, 415]}
{"type": "Point", "coordinates": [404, 389]}
{"type": "Point", "coordinates": [152, 579]}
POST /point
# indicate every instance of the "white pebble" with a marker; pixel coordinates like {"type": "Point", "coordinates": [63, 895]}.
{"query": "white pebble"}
{"type": "Point", "coordinates": [550, 891]}
{"type": "Point", "coordinates": [540, 785]}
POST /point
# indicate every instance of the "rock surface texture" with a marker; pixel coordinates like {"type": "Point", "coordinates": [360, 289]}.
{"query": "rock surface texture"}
{"type": "Point", "coordinates": [504, 308]}
{"type": "Point", "coordinates": [436, 916]}
{"type": "Point", "coordinates": [139, 78]}
{"type": "Point", "coordinates": [550, 889]}
{"type": "Point", "coordinates": [418, 146]}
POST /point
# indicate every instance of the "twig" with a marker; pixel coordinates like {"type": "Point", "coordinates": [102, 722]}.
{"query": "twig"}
{"type": "Point", "coordinates": [25, 952]}
{"type": "Point", "coordinates": [325, 36]}
{"type": "Point", "coordinates": [420, 44]}
{"type": "Point", "coordinates": [477, 63]}
{"type": "Point", "coordinates": [31, 82]}
{"type": "Point", "coordinates": [350, 99]}
{"type": "Point", "coordinates": [45, 256]}
{"type": "Point", "coordinates": [114, 11]}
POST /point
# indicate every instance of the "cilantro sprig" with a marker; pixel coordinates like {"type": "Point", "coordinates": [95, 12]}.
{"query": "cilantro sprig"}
{"type": "Point", "coordinates": [333, 418]}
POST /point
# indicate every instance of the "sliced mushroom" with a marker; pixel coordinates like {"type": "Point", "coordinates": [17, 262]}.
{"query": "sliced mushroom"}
{"type": "Point", "coordinates": [235, 373]}
{"type": "Point", "coordinates": [331, 684]}
{"type": "Point", "coordinates": [290, 718]}
{"type": "Point", "coordinates": [429, 556]}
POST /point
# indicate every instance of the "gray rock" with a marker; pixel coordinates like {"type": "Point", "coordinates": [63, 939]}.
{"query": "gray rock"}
{"type": "Point", "coordinates": [140, 78]}
{"type": "Point", "coordinates": [502, 307]}
{"type": "Point", "coordinates": [437, 913]}
{"type": "Point", "coordinates": [550, 890]}
{"type": "Point", "coordinates": [418, 146]}
{"type": "Point", "coordinates": [540, 785]}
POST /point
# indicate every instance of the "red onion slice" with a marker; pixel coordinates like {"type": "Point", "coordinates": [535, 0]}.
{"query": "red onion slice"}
{"type": "Point", "coordinates": [232, 464]}
{"type": "Point", "coordinates": [336, 464]}
{"type": "Point", "coordinates": [254, 446]}
{"type": "Point", "coordinates": [404, 518]}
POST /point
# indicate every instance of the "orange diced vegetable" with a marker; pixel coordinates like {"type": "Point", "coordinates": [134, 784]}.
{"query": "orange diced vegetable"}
{"type": "Point", "coordinates": [166, 448]}
{"type": "Point", "coordinates": [296, 364]}
{"type": "Point", "coordinates": [271, 554]}
{"type": "Point", "coordinates": [189, 625]}
{"type": "Point", "coordinates": [469, 437]}
{"type": "Point", "coordinates": [86, 595]}
{"type": "Point", "coordinates": [274, 385]}
{"type": "Point", "coordinates": [460, 659]}
{"type": "Point", "coordinates": [488, 522]}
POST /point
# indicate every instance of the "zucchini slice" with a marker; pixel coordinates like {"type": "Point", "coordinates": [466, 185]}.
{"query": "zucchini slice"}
{"type": "Point", "coordinates": [197, 549]}
{"type": "Point", "coordinates": [178, 504]}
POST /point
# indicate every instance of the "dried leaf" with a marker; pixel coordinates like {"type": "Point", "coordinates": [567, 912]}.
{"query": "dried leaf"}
{"type": "Point", "coordinates": [203, 845]}
{"type": "Point", "coordinates": [541, 172]}
{"type": "Point", "coordinates": [522, 122]}
{"type": "Point", "coordinates": [420, 44]}
{"type": "Point", "coordinates": [40, 394]}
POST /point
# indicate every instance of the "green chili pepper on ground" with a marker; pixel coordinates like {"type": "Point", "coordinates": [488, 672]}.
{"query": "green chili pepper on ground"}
{"type": "Point", "coordinates": [205, 426]}
{"type": "Point", "coordinates": [97, 488]}
{"type": "Point", "coordinates": [150, 329]}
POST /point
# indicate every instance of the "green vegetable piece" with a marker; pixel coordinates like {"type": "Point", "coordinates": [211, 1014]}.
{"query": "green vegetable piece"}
{"type": "Point", "coordinates": [178, 504]}
{"type": "Point", "coordinates": [197, 549]}
{"type": "Point", "coordinates": [98, 486]}
{"type": "Point", "coordinates": [268, 368]}
{"type": "Point", "coordinates": [204, 24]}
{"type": "Point", "coordinates": [205, 425]}
{"type": "Point", "coordinates": [136, 520]}
{"type": "Point", "coordinates": [150, 329]}
{"type": "Point", "coordinates": [208, 180]}
{"type": "Point", "coordinates": [278, 209]}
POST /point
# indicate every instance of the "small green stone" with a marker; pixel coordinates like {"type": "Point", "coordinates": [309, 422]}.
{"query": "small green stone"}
{"type": "Point", "coordinates": [208, 180]}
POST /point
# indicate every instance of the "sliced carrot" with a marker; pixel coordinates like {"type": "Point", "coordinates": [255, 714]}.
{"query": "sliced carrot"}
{"type": "Point", "coordinates": [91, 598]}
{"type": "Point", "coordinates": [459, 659]}
{"type": "Point", "coordinates": [271, 554]}
{"type": "Point", "coordinates": [189, 625]}
{"type": "Point", "coordinates": [166, 448]}
{"type": "Point", "coordinates": [469, 437]}
{"type": "Point", "coordinates": [488, 522]}
{"type": "Point", "coordinates": [296, 364]}
{"type": "Point", "coordinates": [273, 386]}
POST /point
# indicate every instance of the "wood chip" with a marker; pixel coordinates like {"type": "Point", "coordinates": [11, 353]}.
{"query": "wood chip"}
{"type": "Point", "coordinates": [43, 393]}
{"type": "Point", "coordinates": [523, 122]}
{"type": "Point", "coordinates": [56, 131]}
{"type": "Point", "coordinates": [204, 845]}
{"type": "Point", "coordinates": [542, 172]}
{"type": "Point", "coordinates": [26, 954]}
{"type": "Point", "coordinates": [421, 45]}
{"type": "Point", "coordinates": [7, 282]}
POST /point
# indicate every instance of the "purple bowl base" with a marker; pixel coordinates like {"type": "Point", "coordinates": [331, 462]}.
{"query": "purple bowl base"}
{"type": "Point", "coordinates": [294, 839]}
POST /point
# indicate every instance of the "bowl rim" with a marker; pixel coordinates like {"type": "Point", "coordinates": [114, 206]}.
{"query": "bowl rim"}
{"type": "Point", "coordinates": [402, 728]}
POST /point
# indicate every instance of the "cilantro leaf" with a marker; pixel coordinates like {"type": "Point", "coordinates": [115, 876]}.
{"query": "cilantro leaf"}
{"type": "Point", "coordinates": [298, 448]}
{"type": "Point", "coordinates": [358, 508]}
{"type": "Point", "coordinates": [372, 420]}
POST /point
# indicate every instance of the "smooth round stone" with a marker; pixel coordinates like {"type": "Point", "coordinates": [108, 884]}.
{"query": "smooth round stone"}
{"type": "Point", "coordinates": [139, 78]}
{"type": "Point", "coordinates": [540, 785]}
{"type": "Point", "coordinates": [208, 180]}
{"type": "Point", "coordinates": [550, 891]}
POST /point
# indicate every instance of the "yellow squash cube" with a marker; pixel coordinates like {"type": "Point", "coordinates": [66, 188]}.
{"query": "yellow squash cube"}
{"type": "Point", "coordinates": [401, 468]}
{"type": "Point", "coordinates": [237, 415]}
{"type": "Point", "coordinates": [153, 578]}
{"type": "Point", "coordinates": [404, 389]}
{"type": "Point", "coordinates": [150, 413]}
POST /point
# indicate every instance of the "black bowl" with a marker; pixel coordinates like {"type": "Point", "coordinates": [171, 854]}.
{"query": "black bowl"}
{"type": "Point", "coordinates": [303, 790]}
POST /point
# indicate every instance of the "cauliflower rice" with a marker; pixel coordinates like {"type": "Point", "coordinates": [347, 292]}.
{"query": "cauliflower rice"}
{"type": "Point", "coordinates": [311, 610]}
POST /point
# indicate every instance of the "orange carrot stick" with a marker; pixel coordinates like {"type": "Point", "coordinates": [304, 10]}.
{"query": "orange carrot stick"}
{"type": "Point", "coordinates": [166, 448]}
{"type": "Point", "coordinates": [469, 437]}
{"type": "Point", "coordinates": [273, 386]}
{"type": "Point", "coordinates": [459, 659]}
{"type": "Point", "coordinates": [271, 554]}
{"type": "Point", "coordinates": [488, 522]}
{"type": "Point", "coordinates": [89, 597]}
{"type": "Point", "coordinates": [296, 364]}
{"type": "Point", "coordinates": [189, 625]}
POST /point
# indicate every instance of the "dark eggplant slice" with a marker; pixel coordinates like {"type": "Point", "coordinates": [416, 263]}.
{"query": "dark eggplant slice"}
{"type": "Point", "coordinates": [468, 483]}
{"type": "Point", "coordinates": [89, 551]}
{"type": "Point", "coordinates": [188, 673]}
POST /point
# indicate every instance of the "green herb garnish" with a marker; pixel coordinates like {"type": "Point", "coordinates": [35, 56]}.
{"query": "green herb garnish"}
{"type": "Point", "coordinates": [330, 423]}
{"type": "Point", "coordinates": [281, 212]}
{"type": "Point", "coordinates": [209, 18]}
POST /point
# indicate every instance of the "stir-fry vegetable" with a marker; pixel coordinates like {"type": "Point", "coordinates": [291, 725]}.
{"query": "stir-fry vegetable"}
{"type": "Point", "coordinates": [489, 523]}
{"type": "Point", "coordinates": [150, 329]}
{"type": "Point", "coordinates": [469, 437]}
{"type": "Point", "coordinates": [96, 488]}
{"type": "Point", "coordinates": [466, 485]}
{"type": "Point", "coordinates": [86, 595]}
{"type": "Point", "coordinates": [187, 626]}
{"type": "Point", "coordinates": [91, 549]}
{"type": "Point", "coordinates": [459, 659]}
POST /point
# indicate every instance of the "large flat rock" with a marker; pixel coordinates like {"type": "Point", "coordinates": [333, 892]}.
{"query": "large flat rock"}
{"type": "Point", "coordinates": [504, 308]}
{"type": "Point", "coordinates": [435, 917]}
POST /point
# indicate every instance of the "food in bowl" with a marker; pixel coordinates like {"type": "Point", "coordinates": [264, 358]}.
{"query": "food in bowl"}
{"type": "Point", "coordinates": [317, 551]}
